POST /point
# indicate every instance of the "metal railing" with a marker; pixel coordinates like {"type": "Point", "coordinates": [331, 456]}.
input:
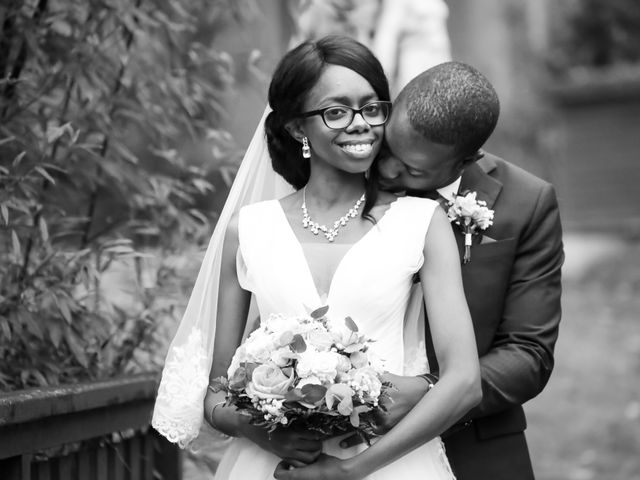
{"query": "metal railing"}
{"type": "Point", "coordinates": [88, 431]}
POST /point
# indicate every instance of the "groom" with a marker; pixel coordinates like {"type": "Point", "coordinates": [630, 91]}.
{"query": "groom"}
{"type": "Point", "coordinates": [512, 281]}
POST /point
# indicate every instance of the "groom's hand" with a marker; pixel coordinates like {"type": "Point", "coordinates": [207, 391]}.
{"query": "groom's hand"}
{"type": "Point", "coordinates": [326, 467]}
{"type": "Point", "coordinates": [406, 392]}
{"type": "Point", "coordinates": [295, 447]}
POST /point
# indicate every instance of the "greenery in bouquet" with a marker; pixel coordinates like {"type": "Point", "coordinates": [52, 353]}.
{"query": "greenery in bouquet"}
{"type": "Point", "coordinates": [312, 371]}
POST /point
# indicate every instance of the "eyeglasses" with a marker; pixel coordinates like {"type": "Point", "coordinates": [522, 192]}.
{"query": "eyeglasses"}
{"type": "Point", "coordinates": [340, 116]}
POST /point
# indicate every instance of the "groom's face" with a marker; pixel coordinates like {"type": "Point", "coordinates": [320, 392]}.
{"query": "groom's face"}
{"type": "Point", "coordinates": [413, 163]}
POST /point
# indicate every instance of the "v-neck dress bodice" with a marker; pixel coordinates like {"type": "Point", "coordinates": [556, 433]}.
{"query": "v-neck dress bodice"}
{"type": "Point", "coordinates": [323, 260]}
{"type": "Point", "coordinates": [370, 281]}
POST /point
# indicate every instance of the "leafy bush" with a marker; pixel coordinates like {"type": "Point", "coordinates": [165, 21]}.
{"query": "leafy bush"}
{"type": "Point", "coordinates": [96, 99]}
{"type": "Point", "coordinates": [596, 34]}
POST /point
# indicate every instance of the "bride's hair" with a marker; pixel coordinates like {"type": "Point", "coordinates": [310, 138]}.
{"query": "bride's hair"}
{"type": "Point", "coordinates": [296, 74]}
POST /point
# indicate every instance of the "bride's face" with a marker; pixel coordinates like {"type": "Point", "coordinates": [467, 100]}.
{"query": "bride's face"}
{"type": "Point", "coordinates": [354, 147]}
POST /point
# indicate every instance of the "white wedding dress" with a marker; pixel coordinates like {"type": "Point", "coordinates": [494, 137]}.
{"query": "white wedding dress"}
{"type": "Point", "coordinates": [371, 283]}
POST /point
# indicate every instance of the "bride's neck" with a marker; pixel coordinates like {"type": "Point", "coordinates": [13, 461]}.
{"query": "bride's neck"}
{"type": "Point", "coordinates": [329, 192]}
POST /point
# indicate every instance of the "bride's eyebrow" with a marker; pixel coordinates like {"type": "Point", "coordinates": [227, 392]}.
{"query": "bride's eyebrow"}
{"type": "Point", "coordinates": [345, 100]}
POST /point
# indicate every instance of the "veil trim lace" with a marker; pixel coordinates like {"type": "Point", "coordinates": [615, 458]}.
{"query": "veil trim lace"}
{"type": "Point", "coordinates": [179, 409]}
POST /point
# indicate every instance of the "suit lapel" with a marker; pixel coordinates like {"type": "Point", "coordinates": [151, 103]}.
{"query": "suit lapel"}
{"type": "Point", "coordinates": [477, 179]}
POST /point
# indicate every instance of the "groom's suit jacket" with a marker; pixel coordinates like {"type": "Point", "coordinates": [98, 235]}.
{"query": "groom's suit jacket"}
{"type": "Point", "coordinates": [512, 285]}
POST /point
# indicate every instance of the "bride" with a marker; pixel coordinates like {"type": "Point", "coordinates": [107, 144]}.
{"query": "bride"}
{"type": "Point", "coordinates": [329, 101]}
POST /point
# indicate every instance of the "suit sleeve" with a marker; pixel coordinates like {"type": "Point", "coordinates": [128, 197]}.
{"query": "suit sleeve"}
{"type": "Point", "coordinates": [519, 364]}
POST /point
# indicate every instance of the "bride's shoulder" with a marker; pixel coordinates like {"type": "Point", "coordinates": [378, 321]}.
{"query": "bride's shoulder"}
{"type": "Point", "coordinates": [257, 208]}
{"type": "Point", "coordinates": [385, 198]}
{"type": "Point", "coordinates": [405, 202]}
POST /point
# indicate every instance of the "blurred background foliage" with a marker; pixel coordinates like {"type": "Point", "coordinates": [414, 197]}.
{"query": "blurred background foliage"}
{"type": "Point", "coordinates": [97, 99]}
{"type": "Point", "coordinates": [594, 34]}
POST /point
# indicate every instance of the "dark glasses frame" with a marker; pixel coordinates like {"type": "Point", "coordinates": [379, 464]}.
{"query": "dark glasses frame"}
{"type": "Point", "coordinates": [385, 107]}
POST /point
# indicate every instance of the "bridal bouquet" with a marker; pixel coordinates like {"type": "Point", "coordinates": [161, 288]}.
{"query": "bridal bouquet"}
{"type": "Point", "coordinates": [311, 371]}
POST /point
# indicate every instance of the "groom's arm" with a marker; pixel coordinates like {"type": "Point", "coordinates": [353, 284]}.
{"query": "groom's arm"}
{"type": "Point", "coordinates": [520, 361]}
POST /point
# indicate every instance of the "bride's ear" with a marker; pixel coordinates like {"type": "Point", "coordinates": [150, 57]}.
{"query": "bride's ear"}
{"type": "Point", "coordinates": [295, 130]}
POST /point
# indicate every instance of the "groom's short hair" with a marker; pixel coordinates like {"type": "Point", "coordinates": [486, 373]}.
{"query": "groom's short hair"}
{"type": "Point", "coordinates": [453, 104]}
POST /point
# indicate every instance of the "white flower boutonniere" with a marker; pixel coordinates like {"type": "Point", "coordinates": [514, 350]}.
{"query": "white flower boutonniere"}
{"type": "Point", "coordinates": [471, 215]}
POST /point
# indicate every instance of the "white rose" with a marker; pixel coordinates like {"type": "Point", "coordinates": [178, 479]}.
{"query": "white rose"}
{"type": "Point", "coordinates": [320, 339]}
{"type": "Point", "coordinates": [346, 339]}
{"type": "Point", "coordinates": [259, 348]}
{"type": "Point", "coordinates": [280, 324]}
{"type": "Point", "coordinates": [268, 381]}
{"type": "Point", "coordinates": [323, 365]}
{"type": "Point", "coordinates": [359, 359]}
{"type": "Point", "coordinates": [283, 356]}
{"type": "Point", "coordinates": [344, 364]}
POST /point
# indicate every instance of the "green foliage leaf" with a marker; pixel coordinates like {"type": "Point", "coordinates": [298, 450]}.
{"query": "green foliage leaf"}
{"type": "Point", "coordinates": [44, 231]}
{"type": "Point", "coordinates": [15, 241]}
{"type": "Point", "coordinates": [76, 346]}
{"type": "Point", "coordinates": [63, 306]}
{"type": "Point", "coordinates": [7, 140]}
{"type": "Point", "coordinates": [55, 334]}
{"type": "Point", "coordinates": [18, 158]}
{"type": "Point", "coordinates": [351, 325]}
{"type": "Point", "coordinates": [298, 345]}
{"type": "Point", "coordinates": [54, 133]}
{"type": "Point", "coordinates": [44, 173]}
{"type": "Point", "coordinates": [313, 393]}
{"type": "Point", "coordinates": [239, 379]}
{"type": "Point", "coordinates": [319, 312]}
{"type": "Point", "coordinates": [354, 418]}
{"type": "Point", "coordinates": [4, 210]}
{"type": "Point", "coordinates": [5, 328]}
{"type": "Point", "coordinates": [218, 384]}
{"type": "Point", "coordinates": [31, 324]}
{"type": "Point", "coordinates": [294, 395]}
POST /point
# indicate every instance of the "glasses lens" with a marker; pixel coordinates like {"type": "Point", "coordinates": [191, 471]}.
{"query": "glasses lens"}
{"type": "Point", "coordinates": [375, 113]}
{"type": "Point", "coordinates": [338, 117]}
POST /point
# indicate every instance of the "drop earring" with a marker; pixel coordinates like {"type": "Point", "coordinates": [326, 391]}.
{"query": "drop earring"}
{"type": "Point", "coordinates": [306, 151]}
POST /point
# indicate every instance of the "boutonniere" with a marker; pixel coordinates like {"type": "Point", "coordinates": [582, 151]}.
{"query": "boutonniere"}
{"type": "Point", "coordinates": [470, 215]}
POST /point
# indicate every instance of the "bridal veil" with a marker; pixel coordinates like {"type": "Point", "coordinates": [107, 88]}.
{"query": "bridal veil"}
{"type": "Point", "coordinates": [178, 412]}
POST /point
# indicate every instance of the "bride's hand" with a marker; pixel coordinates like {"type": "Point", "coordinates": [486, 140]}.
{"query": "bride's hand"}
{"type": "Point", "coordinates": [325, 467]}
{"type": "Point", "coordinates": [406, 392]}
{"type": "Point", "coordinates": [296, 447]}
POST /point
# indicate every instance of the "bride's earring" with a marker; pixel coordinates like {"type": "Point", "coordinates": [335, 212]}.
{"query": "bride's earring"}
{"type": "Point", "coordinates": [306, 151]}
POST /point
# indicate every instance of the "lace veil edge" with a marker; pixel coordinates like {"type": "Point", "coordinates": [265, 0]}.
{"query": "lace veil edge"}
{"type": "Point", "coordinates": [179, 409]}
